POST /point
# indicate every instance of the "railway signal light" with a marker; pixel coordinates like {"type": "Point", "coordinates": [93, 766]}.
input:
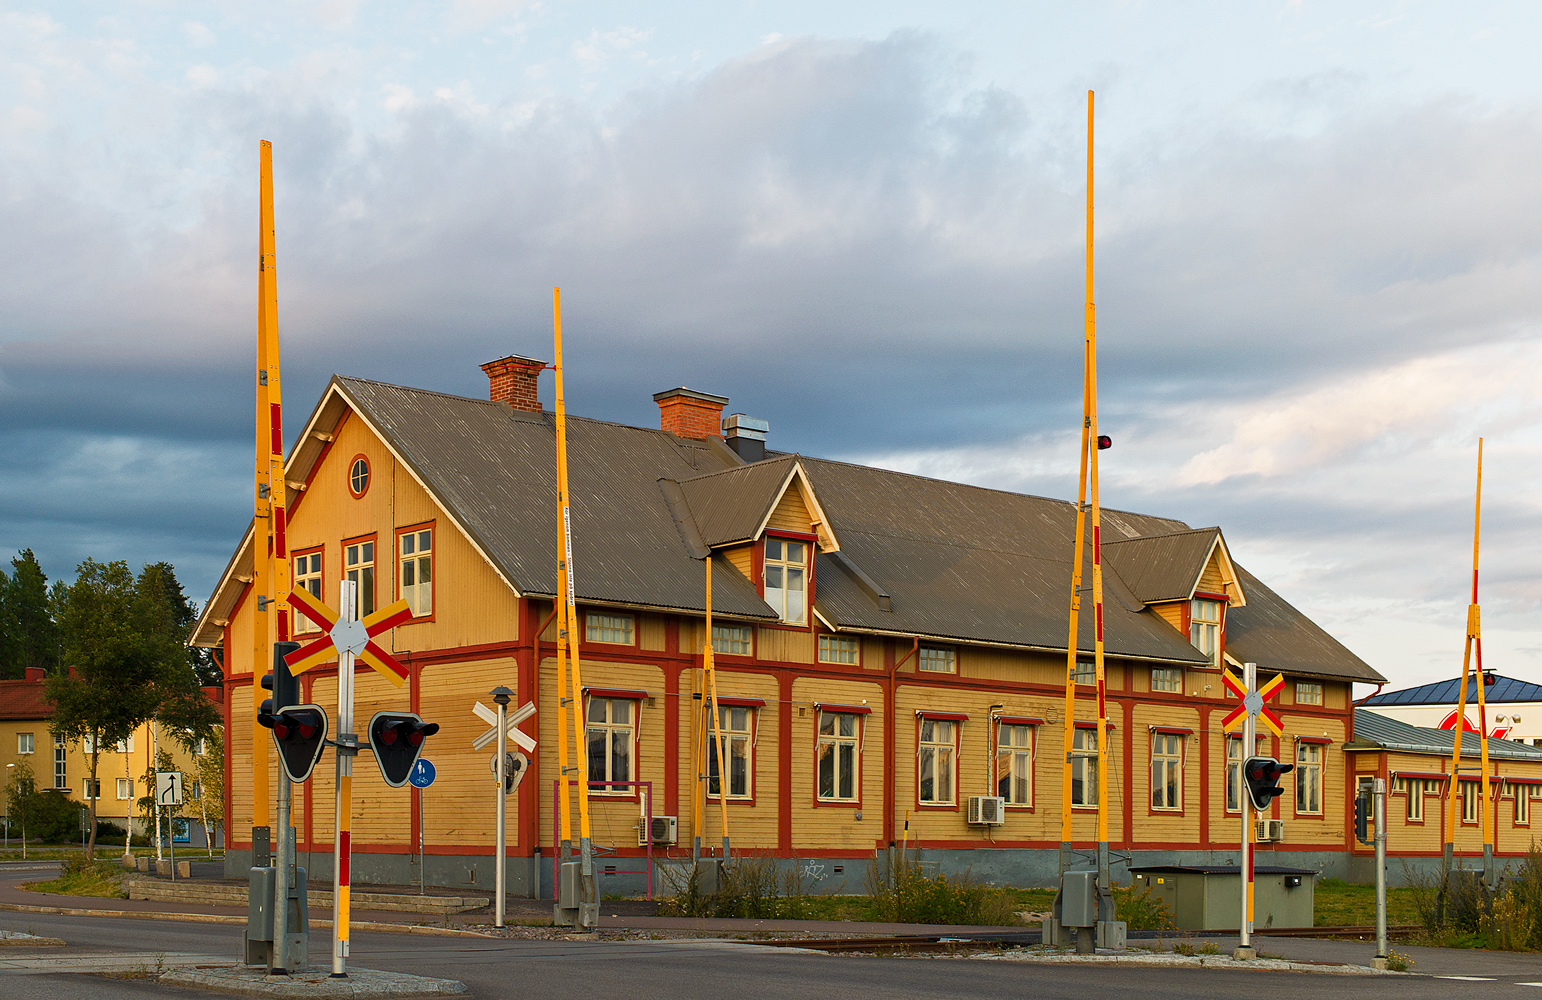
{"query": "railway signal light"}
{"type": "Point", "coordinates": [1363, 815]}
{"type": "Point", "coordinates": [283, 684]}
{"type": "Point", "coordinates": [300, 731]}
{"type": "Point", "coordinates": [1263, 775]}
{"type": "Point", "coordinates": [1105, 442]}
{"type": "Point", "coordinates": [397, 739]}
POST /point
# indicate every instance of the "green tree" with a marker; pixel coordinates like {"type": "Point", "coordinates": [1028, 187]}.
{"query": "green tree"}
{"type": "Point", "coordinates": [175, 615]}
{"type": "Point", "coordinates": [28, 637]}
{"type": "Point", "coordinates": [210, 799]}
{"type": "Point", "coordinates": [20, 792]}
{"type": "Point", "coordinates": [118, 664]}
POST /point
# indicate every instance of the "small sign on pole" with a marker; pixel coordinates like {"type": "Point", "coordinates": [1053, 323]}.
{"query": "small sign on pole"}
{"type": "Point", "coordinates": [168, 788]}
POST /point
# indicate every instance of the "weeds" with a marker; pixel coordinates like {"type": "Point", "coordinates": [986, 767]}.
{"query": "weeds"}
{"type": "Point", "coordinates": [1142, 910]}
{"type": "Point", "coordinates": [77, 877]}
{"type": "Point", "coordinates": [750, 887]}
{"type": "Point", "coordinates": [1398, 961]}
{"type": "Point", "coordinates": [903, 893]}
{"type": "Point", "coordinates": [1459, 911]}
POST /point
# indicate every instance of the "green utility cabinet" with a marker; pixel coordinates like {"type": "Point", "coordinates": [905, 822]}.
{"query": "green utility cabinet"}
{"type": "Point", "coordinates": [1209, 897]}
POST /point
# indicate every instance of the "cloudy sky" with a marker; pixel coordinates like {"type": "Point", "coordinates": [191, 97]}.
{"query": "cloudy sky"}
{"type": "Point", "coordinates": [1319, 236]}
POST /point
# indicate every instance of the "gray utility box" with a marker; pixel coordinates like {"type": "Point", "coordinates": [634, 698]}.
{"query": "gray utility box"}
{"type": "Point", "coordinates": [1209, 897]}
{"type": "Point", "coordinates": [260, 923]}
{"type": "Point", "coordinates": [1079, 899]}
{"type": "Point", "coordinates": [570, 910]}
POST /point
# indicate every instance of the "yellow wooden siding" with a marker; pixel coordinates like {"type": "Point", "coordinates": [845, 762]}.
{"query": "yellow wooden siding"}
{"type": "Point", "coordinates": [741, 558]}
{"type": "Point", "coordinates": [1168, 827]}
{"type": "Point", "coordinates": [381, 814]}
{"type": "Point", "coordinates": [786, 645]}
{"type": "Point", "coordinates": [1310, 829]}
{"type": "Point", "coordinates": [650, 632]}
{"type": "Point", "coordinates": [1401, 834]}
{"type": "Point", "coordinates": [1171, 613]}
{"type": "Point", "coordinates": [752, 826]}
{"type": "Point", "coordinates": [1008, 665]}
{"type": "Point", "coordinates": [791, 512]}
{"type": "Point", "coordinates": [460, 807]}
{"type": "Point", "coordinates": [1212, 580]}
{"type": "Point", "coordinates": [613, 823]}
{"type": "Point", "coordinates": [471, 603]}
{"type": "Point", "coordinates": [835, 825]}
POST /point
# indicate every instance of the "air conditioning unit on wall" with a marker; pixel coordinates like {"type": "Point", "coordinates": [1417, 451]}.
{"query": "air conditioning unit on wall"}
{"type": "Point", "coordinates": [987, 810]}
{"type": "Point", "coordinates": [666, 830]}
{"type": "Point", "coordinates": [1270, 831]}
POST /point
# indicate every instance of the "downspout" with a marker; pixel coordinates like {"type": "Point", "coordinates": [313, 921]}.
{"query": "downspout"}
{"type": "Point", "coordinates": [888, 740]}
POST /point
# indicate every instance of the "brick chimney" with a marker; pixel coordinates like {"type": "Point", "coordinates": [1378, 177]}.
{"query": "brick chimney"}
{"type": "Point", "coordinates": [690, 414]}
{"type": "Point", "coordinates": [35, 674]}
{"type": "Point", "coordinates": [512, 380]}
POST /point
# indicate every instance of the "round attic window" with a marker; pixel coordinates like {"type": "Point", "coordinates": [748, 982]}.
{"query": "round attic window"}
{"type": "Point", "coordinates": [358, 476]}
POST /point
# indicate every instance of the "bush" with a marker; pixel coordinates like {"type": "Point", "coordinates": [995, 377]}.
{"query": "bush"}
{"type": "Point", "coordinates": [1457, 908]}
{"type": "Point", "coordinates": [902, 892]}
{"type": "Point", "coordinates": [53, 818]}
{"type": "Point", "coordinates": [1143, 911]}
{"type": "Point", "coordinates": [750, 887]}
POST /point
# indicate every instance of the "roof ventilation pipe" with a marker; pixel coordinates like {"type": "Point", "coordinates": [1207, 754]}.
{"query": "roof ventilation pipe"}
{"type": "Point", "coordinates": [746, 436]}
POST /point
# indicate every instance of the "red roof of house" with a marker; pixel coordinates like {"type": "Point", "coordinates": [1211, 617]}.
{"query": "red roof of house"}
{"type": "Point", "coordinates": [23, 700]}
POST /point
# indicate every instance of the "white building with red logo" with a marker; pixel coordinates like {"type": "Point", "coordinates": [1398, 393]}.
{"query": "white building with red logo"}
{"type": "Point", "coordinates": [1514, 707]}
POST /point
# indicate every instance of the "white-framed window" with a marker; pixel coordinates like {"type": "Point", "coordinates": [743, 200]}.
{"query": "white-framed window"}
{"type": "Point", "coordinates": [415, 549]}
{"type": "Point", "coordinates": [1167, 679]}
{"type": "Point", "coordinates": [1524, 794]}
{"type": "Point", "coordinates": [1470, 793]}
{"type": "Point", "coordinates": [837, 759]}
{"type": "Point", "coordinates": [359, 562]}
{"type": "Point", "coordinates": [838, 649]}
{"type": "Point", "coordinates": [937, 660]}
{"type": "Point", "coordinates": [1084, 768]}
{"type": "Point", "coordinates": [307, 577]}
{"type": "Point", "coordinates": [195, 789]}
{"type": "Point", "coordinates": [738, 729]}
{"type": "Point", "coordinates": [90, 789]}
{"type": "Point", "coordinates": [1416, 789]}
{"type": "Point", "coordinates": [1014, 763]}
{"type": "Point", "coordinates": [1166, 771]}
{"type": "Point", "coordinates": [1205, 627]}
{"type": "Point", "coordinates": [24, 743]}
{"type": "Point", "coordinates": [1234, 789]}
{"type": "Point", "coordinates": [358, 476]}
{"type": "Point", "coordinates": [935, 762]}
{"type": "Point", "coordinates": [1085, 672]}
{"type": "Point", "coordinates": [612, 731]}
{"type": "Point", "coordinates": [615, 629]}
{"type": "Point", "coordinates": [61, 763]}
{"type": "Point", "coordinates": [125, 789]}
{"type": "Point", "coordinates": [88, 745]}
{"type": "Point", "coordinates": [734, 640]}
{"type": "Point", "coordinates": [786, 569]}
{"type": "Point", "coordinates": [1308, 779]}
{"type": "Point", "coordinates": [1308, 693]}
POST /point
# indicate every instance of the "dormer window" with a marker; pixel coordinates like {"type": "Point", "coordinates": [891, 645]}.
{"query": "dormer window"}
{"type": "Point", "coordinates": [786, 572]}
{"type": "Point", "coordinates": [1205, 627]}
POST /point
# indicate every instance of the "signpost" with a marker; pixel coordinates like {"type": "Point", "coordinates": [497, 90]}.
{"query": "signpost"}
{"type": "Point", "coordinates": [1246, 714]}
{"type": "Point", "coordinates": [503, 729]}
{"type": "Point", "coordinates": [421, 777]}
{"type": "Point", "coordinates": [168, 793]}
{"type": "Point", "coordinates": [346, 637]}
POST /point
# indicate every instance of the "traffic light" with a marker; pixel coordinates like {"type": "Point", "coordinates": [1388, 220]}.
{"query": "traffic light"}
{"type": "Point", "coordinates": [1105, 442]}
{"type": "Point", "coordinates": [283, 684]}
{"type": "Point", "coordinates": [300, 731]}
{"type": "Point", "coordinates": [1363, 815]}
{"type": "Point", "coordinates": [397, 739]}
{"type": "Point", "coordinates": [1263, 773]}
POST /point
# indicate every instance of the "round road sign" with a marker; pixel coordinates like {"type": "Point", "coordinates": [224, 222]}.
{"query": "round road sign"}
{"type": "Point", "coordinates": [422, 774]}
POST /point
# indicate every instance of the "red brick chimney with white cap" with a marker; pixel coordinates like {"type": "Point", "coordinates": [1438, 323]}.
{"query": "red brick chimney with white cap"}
{"type": "Point", "coordinates": [512, 380]}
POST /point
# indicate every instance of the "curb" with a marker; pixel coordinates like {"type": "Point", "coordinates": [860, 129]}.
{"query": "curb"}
{"type": "Point", "coordinates": [1191, 962]}
{"type": "Point", "coordinates": [220, 918]}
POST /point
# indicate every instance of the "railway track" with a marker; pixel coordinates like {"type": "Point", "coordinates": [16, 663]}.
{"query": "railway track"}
{"type": "Point", "coordinates": [968, 941]}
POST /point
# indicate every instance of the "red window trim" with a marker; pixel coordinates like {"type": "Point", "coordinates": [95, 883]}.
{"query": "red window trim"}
{"type": "Point", "coordinates": [727, 702]}
{"type": "Point", "coordinates": [369, 475]}
{"type": "Point", "coordinates": [1091, 724]}
{"type": "Point", "coordinates": [1522, 781]}
{"type": "Point", "coordinates": [1019, 720]}
{"type": "Point", "coordinates": [437, 568]}
{"type": "Point", "coordinates": [843, 709]}
{"type": "Point", "coordinates": [1172, 730]}
{"type": "Point", "coordinates": [752, 703]}
{"type": "Point", "coordinates": [299, 624]}
{"type": "Point", "coordinates": [342, 559]}
{"type": "Point", "coordinates": [1425, 775]}
{"type": "Point", "coordinates": [1319, 740]}
{"type": "Point", "coordinates": [628, 693]}
{"type": "Point", "coordinates": [954, 717]}
{"type": "Point", "coordinates": [759, 564]}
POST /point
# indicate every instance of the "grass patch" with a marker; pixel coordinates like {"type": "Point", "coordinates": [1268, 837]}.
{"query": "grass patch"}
{"type": "Point", "coordinates": [101, 879]}
{"type": "Point", "coordinates": [1343, 904]}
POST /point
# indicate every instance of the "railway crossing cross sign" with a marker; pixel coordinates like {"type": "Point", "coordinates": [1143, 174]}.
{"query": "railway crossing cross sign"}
{"type": "Point", "coordinates": [525, 740]}
{"type": "Point", "coordinates": [1253, 704]}
{"type": "Point", "coordinates": [348, 636]}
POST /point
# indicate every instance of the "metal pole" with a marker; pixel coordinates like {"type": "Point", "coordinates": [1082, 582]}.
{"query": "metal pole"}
{"type": "Point", "coordinates": [347, 746]}
{"type": "Point", "coordinates": [1379, 791]}
{"type": "Point", "coordinates": [422, 877]}
{"type": "Point", "coordinates": [501, 696]}
{"type": "Point", "coordinates": [281, 860]}
{"type": "Point", "coordinates": [1249, 747]}
{"type": "Point", "coordinates": [171, 842]}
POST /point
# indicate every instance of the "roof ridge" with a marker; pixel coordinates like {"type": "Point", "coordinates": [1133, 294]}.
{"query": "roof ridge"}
{"type": "Point", "coordinates": [763, 463]}
{"type": "Point", "coordinates": [1165, 534]}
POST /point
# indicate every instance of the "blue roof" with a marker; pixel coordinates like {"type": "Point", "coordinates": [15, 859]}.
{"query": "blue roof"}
{"type": "Point", "coordinates": [1393, 734]}
{"type": "Point", "coordinates": [1503, 689]}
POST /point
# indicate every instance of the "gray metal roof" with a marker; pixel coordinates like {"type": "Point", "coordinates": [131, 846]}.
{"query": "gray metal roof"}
{"type": "Point", "coordinates": [1373, 730]}
{"type": "Point", "coordinates": [1270, 632]}
{"type": "Point", "coordinates": [731, 505]}
{"type": "Point", "coordinates": [1162, 567]}
{"type": "Point", "coordinates": [918, 556]}
{"type": "Point", "coordinates": [1501, 689]}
